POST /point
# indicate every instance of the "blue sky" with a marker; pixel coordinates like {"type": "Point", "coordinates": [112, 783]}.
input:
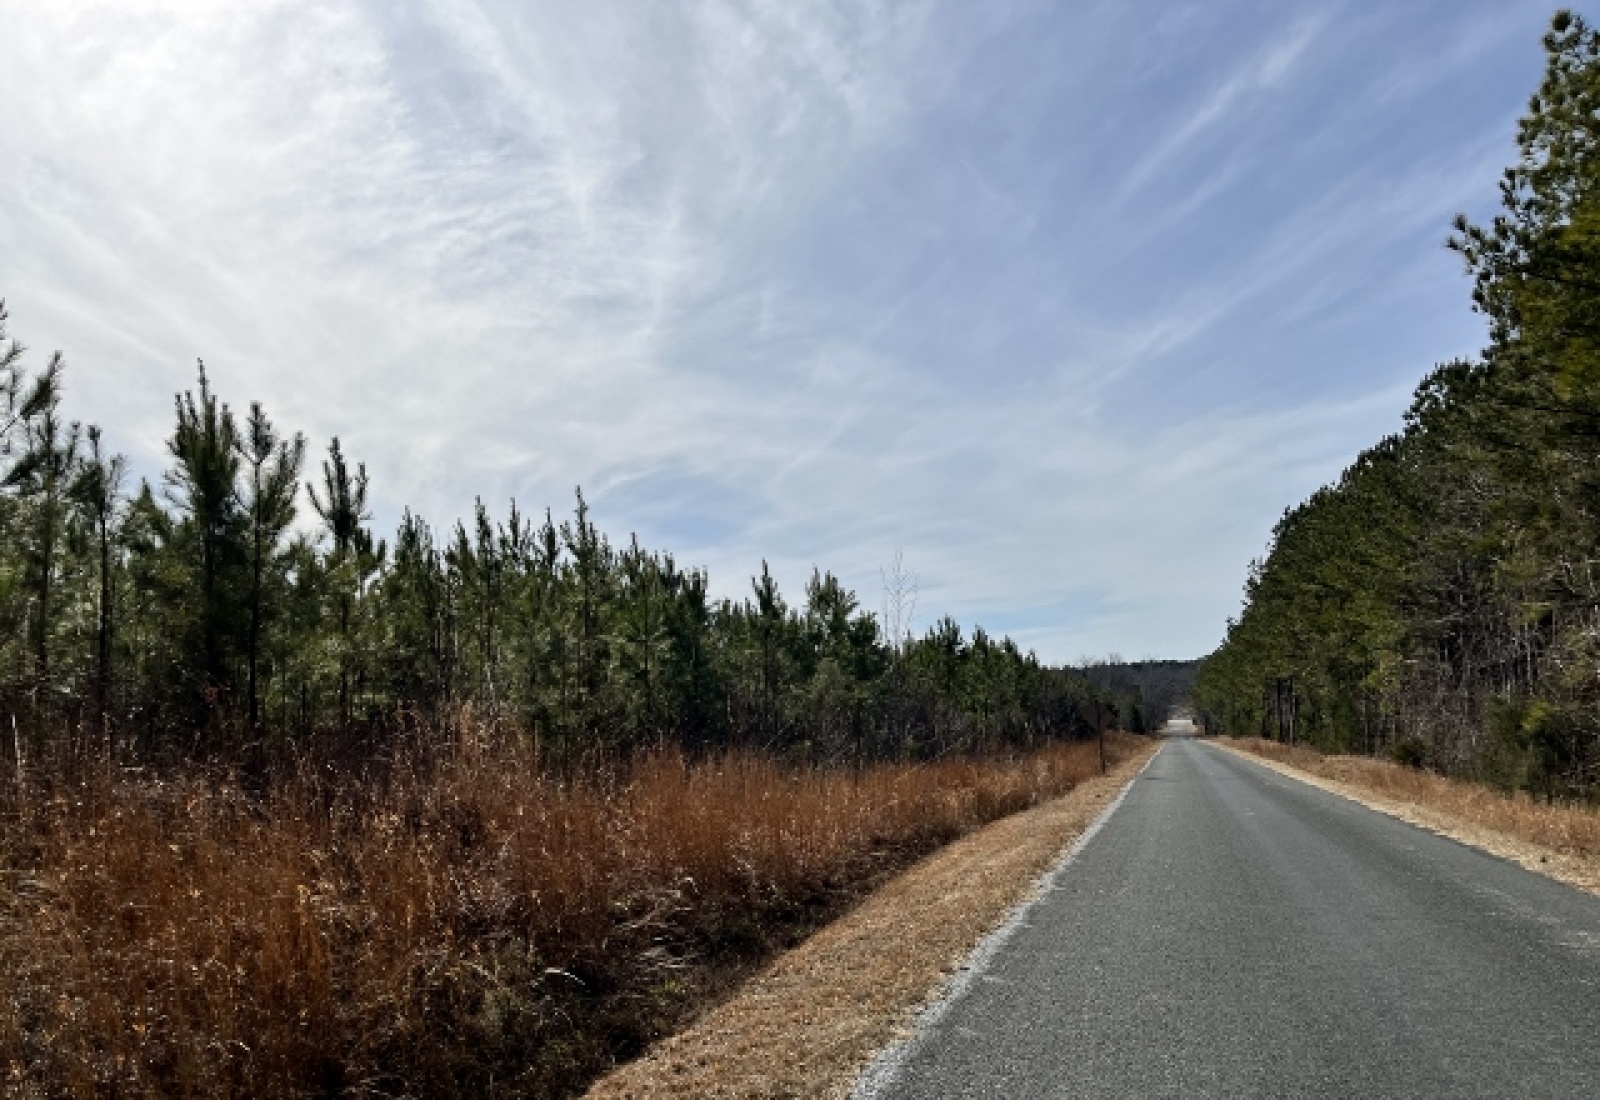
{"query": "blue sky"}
{"type": "Point", "coordinates": [1064, 302]}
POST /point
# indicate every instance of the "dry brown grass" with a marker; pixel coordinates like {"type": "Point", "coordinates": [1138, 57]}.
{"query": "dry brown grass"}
{"type": "Point", "coordinates": [478, 927]}
{"type": "Point", "coordinates": [808, 1024]}
{"type": "Point", "coordinates": [1557, 838]}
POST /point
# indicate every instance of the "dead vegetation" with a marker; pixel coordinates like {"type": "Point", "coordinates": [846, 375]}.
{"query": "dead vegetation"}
{"type": "Point", "coordinates": [473, 927]}
{"type": "Point", "coordinates": [1553, 837]}
{"type": "Point", "coordinates": [807, 1025]}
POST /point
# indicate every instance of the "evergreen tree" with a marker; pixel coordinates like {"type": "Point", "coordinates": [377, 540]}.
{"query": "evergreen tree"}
{"type": "Point", "coordinates": [770, 619]}
{"type": "Point", "coordinates": [641, 641]}
{"type": "Point", "coordinates": [419, 612]}
{"type": "Point", "coordinates": [171, 618]}
{"type": "Point", "coordinates": [353, 558]}
{"type": "Point", "coordinates": [271, 483]}
{"type": "Point", "coordinates": [41, 476]}
{"type": "Point", "coordinates": [589, 576]}
{"type": "Point", "coordinates": [1441, 600]}
{"type": "Point", "coordinates": [97, 491]}
{"type": "Point", "coordinates": [210, 538]}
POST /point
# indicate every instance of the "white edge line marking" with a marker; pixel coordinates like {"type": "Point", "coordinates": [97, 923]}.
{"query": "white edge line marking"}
{"type": "Point", "coordinates": [886, 1065]}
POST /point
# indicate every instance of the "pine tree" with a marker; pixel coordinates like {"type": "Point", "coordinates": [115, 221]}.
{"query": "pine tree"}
{"type": "Point", "coordinates": [641, 644]}
{"type": "Point", "coordinates": [153, 640]}
{"type": "Point", "coordinates": [353, 558]}
{"type": "Point", "coordinates": [419, 613]}
{"type": "Point", "coordinates": [690, 675]}
{"type": "Point", "coordinates": [41, 475]}
{"type": "Point", "coordinates": [541, 633]}
{"type": "Point", "coordinates": [97, 491]}
{"type": "Point", "coordinates": [271, 483]}
{"type": "Point", "coordinates": [771, 615]}
{"type": "Point", "coordinates": [203, 485]}
{"type": "Point", "coordinates": [589, 583]}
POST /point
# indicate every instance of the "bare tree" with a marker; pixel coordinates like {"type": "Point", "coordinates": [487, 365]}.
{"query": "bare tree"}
{"type": "Point", "coordinates": [899, 602]}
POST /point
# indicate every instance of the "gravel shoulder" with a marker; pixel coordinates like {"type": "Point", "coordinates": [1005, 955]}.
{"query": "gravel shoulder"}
{"type": "Point", "coordinates": [808, 1024]}
{"type": "Point", "coordinates": [1574, 869]}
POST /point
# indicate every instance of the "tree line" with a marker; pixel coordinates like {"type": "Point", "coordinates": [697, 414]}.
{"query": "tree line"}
{"type": "Point", "coordinates": [1441, 600]}
{"type": "Point", "coordinates": [1152, 687]}
{"type": "Point", "coordinates": [211, 612]}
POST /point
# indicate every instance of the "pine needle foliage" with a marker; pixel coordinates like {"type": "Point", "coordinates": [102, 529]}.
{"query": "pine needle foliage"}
{"type": "Point", "coordinates": [1441, 602]}
{"type": "Point", "coordinates": [215, 617]}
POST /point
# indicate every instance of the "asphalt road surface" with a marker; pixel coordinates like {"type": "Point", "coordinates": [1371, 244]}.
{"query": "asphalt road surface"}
{"type": "Point", "coordinates": [1230, 932]}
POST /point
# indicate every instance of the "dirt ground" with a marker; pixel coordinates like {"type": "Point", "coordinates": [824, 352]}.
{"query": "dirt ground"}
{"type": "Point", "coordinates": [807, 1025]}
{"type": "Point", "coordinates": [1575, 869]}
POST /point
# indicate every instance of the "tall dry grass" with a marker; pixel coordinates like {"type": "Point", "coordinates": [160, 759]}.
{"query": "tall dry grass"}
{"type": "Point", "coordinates": [1566, 827]}
{"type": "Point", "coordinates": [476, 927]}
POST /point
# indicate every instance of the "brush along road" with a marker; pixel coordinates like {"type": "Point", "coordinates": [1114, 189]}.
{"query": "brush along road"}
{"type": "Point", "coordinates": [1232, 932]}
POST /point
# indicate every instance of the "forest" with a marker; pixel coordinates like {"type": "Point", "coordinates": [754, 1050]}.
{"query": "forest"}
{"type": "Point", "coordinates": [1440, 602]}
{"type": "Point", "coordinates": [1156, 687]}
{"type": "Point", "coordinates": [241, 608]}
{"type": "Point", "coordinates": [288, 808]}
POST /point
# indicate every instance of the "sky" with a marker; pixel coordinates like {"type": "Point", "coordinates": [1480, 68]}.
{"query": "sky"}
{"type": "Point", "coordinates": [1061, 303]}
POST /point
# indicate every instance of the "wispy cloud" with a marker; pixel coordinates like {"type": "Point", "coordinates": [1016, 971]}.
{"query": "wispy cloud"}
{"type": "Point", "coordinates": [813, 283]}
{"type": "Point", "coordinates": [1265, 71]}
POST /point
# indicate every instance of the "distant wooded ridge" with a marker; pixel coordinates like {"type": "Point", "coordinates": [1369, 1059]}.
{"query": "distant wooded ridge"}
{"type": "Point", "coordinates": [1441, 601]}
{"type": "Point", "coordinates": [1158, 685]}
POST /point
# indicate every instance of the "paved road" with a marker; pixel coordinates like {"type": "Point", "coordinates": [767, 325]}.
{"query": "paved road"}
{"type": "Point", "coordinates": [1230, 932]}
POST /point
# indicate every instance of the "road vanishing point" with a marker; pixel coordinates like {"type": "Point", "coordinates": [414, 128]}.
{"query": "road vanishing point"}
{"type": "Point", "coordinates": [1231, 932]}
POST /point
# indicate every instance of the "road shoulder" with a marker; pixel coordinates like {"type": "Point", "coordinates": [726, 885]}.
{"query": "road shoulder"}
{"type": "Point", "coordinates": [808, 1024]}
{"type": "Point", "coordinates": [1573, 869]}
